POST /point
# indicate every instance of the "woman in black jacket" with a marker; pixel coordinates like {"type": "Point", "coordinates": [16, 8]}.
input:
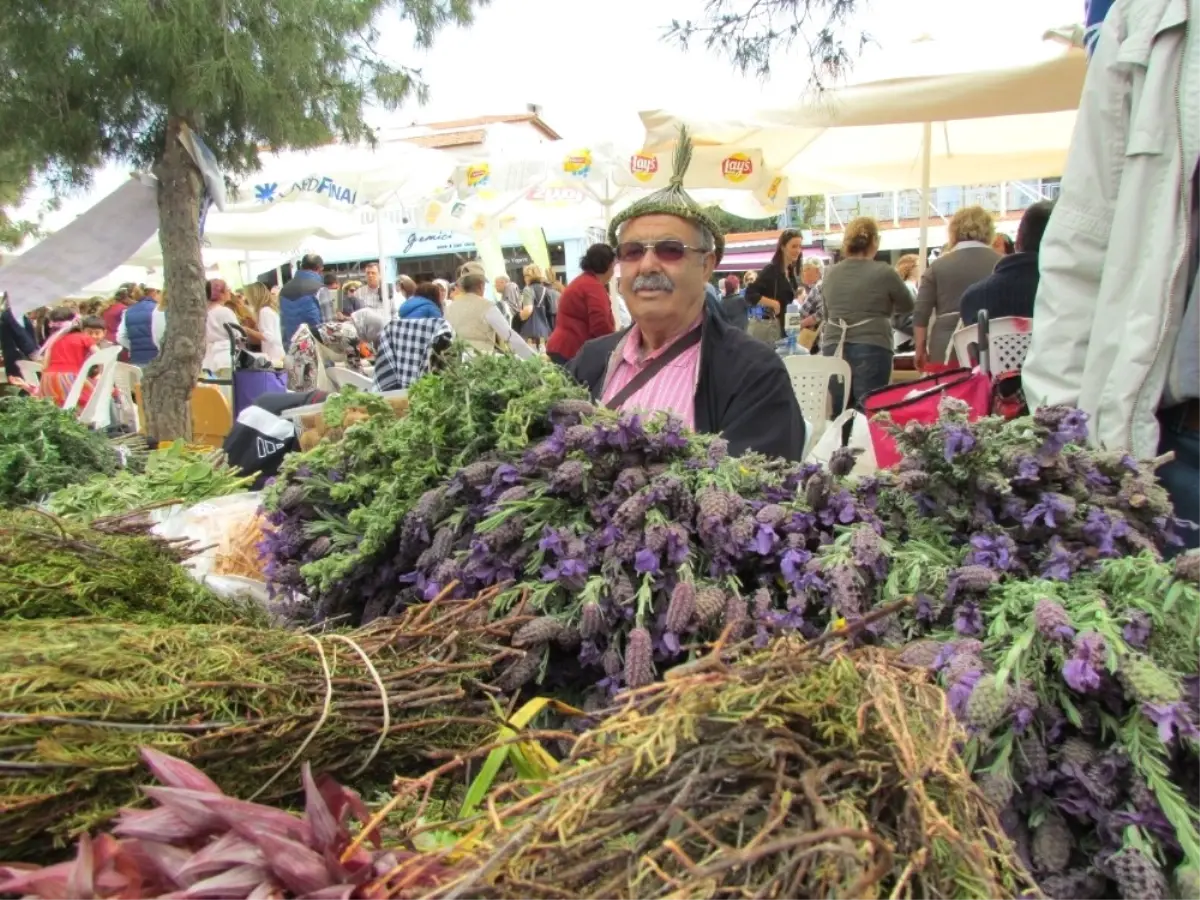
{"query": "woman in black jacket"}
{"type": "Point", "coordinates": [17, 341]}
{"type": "Point", "coordinates": [779, 280]}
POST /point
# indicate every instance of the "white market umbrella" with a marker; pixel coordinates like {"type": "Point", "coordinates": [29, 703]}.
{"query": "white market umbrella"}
{"type": "Point", "coordinates": [961, 122]}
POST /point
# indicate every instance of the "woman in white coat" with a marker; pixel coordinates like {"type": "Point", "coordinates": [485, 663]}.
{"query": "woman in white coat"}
{"type": "Point", "coordinates": [266, 311]}
{"type": "Point", "coordinates": [1117, 316]}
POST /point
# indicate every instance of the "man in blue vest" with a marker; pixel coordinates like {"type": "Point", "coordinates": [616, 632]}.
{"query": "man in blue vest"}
{"type": "Point", "coordinates": [142, 328]}
{"type": "Point", "coordinates": [298, 300]}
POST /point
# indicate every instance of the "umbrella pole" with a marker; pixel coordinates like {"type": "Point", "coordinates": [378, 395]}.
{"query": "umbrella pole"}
{"type": "Point", "coordinates": [926, 155]}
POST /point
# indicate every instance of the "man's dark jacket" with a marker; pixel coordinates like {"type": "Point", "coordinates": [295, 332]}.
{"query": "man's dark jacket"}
{"type": "Point", "coordinates": [1008, 291]}
{"type": "Point", "coordinates": [744, 393]}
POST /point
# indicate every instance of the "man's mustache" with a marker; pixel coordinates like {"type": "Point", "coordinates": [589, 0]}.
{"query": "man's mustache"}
{"type": "Point", "coordinates": [653, 281]}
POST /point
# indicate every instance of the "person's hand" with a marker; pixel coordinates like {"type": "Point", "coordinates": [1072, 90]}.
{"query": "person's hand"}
{"type": "Point", "coordinates": [922, 358]}
{"type": "Point", "coordinates": [770, 305]}
{"type": "Point", "coordinates": [808, 322]}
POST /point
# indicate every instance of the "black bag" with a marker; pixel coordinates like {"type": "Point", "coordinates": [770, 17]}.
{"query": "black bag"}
{"type": "Point", "coordinates": [261, 437]}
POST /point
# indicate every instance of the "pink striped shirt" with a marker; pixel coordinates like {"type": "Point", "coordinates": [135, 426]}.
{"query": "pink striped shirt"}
{"type": "Point", "coordinates": [672, 390]}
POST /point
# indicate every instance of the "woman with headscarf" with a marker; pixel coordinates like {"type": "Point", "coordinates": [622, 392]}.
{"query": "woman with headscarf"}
{"type": "Point", "coordinates": [412, 345]}
{"type": "Point", "coordinates": [369, 325]}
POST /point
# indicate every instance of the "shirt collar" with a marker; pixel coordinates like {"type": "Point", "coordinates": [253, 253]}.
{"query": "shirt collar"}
{"type": "Point", "coordinates": [964, 244]}
{"type": "Point", "coordinates": [631, 351]}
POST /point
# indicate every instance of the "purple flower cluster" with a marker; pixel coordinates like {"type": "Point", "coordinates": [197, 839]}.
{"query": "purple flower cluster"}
{"type": "Point", "coordinates": [1088, 661]}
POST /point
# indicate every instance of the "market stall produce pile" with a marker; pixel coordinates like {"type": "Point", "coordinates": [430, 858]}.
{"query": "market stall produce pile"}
{"type": "Point", "coordinates": [79, 697]}
{"type": "Point", "coordinates": [44, 448]}
{"type": "Point", "coordinates": [335, 512]}
{"type": "Point", "coordinates": [790, 774]}
{"type": "Point", "coordinates": [115, 568]}
{"type": "Point", "coordinates": [175, 474]}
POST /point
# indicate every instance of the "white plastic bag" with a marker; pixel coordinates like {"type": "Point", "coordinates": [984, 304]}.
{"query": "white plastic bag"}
{"type": "Point", "coordinates": [208, 523]}
{"type": "Point", "coordinates": [860, 439]}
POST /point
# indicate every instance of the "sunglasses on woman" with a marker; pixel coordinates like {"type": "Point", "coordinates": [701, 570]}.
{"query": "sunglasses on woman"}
{"type": "Point", "coordinates": [667, 250]}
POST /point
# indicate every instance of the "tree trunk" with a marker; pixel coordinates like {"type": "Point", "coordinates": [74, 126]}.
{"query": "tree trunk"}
{"type": "Point", "coordinates": [169, 380]}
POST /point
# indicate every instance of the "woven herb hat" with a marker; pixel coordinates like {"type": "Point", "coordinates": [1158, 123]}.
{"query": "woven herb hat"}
{"type": "Point", "coordinates": [672, 200]}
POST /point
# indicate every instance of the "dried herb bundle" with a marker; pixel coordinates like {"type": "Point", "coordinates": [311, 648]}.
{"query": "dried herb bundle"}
{"type": "Point", "coordinates": [78, 698]}
{"type": "Point", "coordinates": [113, 568]}
{"type": "Point", "coordinates": [786, 775]}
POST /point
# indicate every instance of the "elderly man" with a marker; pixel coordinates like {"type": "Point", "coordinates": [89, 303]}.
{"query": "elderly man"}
{"type": "Point", "coordinates": [678, 357]}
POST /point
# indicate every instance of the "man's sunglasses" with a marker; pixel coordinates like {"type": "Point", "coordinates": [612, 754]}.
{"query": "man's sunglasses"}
{"type": "Point", "coordinates": [668, 250]}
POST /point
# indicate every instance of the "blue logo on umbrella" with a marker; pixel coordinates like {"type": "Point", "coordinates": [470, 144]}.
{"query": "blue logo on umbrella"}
{"type": "Point", "coordinates": [265, 193]}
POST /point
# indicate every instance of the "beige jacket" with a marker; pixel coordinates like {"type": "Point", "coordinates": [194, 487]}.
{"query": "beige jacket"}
{"type": "Point", "coordinates": [941, 290]}
{"type": "Point", "coordinates": [466, 315]}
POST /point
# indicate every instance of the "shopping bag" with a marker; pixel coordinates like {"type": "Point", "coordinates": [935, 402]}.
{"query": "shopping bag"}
{"type": "Point", "coordinates": [918, 401]}
{"type": "Point", "coordinates": [860, 439]}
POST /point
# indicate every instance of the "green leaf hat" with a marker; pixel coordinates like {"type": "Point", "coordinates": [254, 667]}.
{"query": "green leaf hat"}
{"type": "Point", "coordinates": [672, 200]}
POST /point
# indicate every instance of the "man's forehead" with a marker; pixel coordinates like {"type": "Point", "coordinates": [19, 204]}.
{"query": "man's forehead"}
{"type": "Point", "coordinates": [658, 227]}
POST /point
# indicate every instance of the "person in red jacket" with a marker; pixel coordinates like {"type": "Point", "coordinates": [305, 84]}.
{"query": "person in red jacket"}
{"type": "Point", "coordinates": [584, 309]}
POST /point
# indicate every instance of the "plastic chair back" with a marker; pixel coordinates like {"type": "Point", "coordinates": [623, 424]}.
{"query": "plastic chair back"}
{"type": "Point", "coordinates": [810, 377]}
{"type": "Point", "coordinates": [964, 345]}
{"type": "Point", "coordinates": [341, 377]}
{"type": "Point", "coordinates": [212, 415]}
{"type": "Point", "coordinates": [106, 358]}
{"type": "Point", "coordinates": [1008, 343]}
{"type": "Point", "coordinates": [31, 372]}
{"type": "Point", "coordinates": [128, 380]}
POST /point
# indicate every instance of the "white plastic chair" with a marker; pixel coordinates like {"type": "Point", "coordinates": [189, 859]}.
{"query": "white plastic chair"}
{"type": "Point", "coordinates": [1008, 343]}
{"type": "Point", "coordinates": [31, 372]}
{"type": "Point", "coordinates": [341, 376]}
{"type": "Point", "coordinates": [810, 380]}
{"type": "Point", "coordinates": [98, 412]}
{"type": "Point", "coordinates": [128, 378]}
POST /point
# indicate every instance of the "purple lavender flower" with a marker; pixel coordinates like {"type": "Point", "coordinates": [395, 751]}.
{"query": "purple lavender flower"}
{"type": "Point", "coordinates": [673, 436]}
{"type": "Point", "coordinates": [1052, 621]}
{"type": "Point", "coordinates": [765, 540]}
{"type": "Point", "coordinates": [996, 551]}
{"type": "Point", "coordinates": [551, 541]}
{"type": "Point", "coordinates": [1067, 426]}
{"type": "Point", "coordinates": [924, 610]}
{"type": "Point", "coordinates": [628, 433]}
{"type": "Point", "coordinates": [645, 562]}
{"type": "Point", "coordinates": [1060, 563]}
{"type": "Point", "coordinates": [960, 690]}
{"type": "Point", "coordinates": [1051, 510]}
{"type": "Point", "coordinates": [1028, 471]}
{"type": "Point", "coordinates": [1172, 719]}
{"type": "Point", "coordinates": [1137, 630]}
{"type": "Point", "coordinates": [1101, 530]}
{"type": "Point", "coordinates": [1082, 671]}
{"type": "Point", "coordinates": [959, 440]}
{"type": "Point", "coordinates": [791, 565]}
{"type": "Point", "coordinates": [968, 621]}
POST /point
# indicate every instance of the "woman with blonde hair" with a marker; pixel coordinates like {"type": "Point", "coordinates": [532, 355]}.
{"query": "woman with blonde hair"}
{"type": "Point", "coordinates": [939, 297]}
{"type": "Point", "coordinates": [861, 296]}
{"type": "Point", "coordinates": [535, 307]}
{"type": "Point", "coordinates": [265, 309]}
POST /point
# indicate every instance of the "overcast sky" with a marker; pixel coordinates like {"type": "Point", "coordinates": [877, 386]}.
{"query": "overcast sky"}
{"type": "Point", "coordinates": [592, 64]}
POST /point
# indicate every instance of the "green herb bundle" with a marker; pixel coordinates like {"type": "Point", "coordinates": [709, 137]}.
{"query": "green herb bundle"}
{"type": "Point", "coordinates": [247, 705]}
{"type": "Point", "coordinates": [54, 569]}
{"type": "Point", "coordinates": [44, 449]}
{"type": "Point", "coordinates": [177, 473]}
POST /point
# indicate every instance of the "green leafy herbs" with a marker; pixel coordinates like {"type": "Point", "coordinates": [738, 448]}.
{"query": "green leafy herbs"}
{"type": "Point", "coordinates": [177, 474]}
{"type": "Point", "coordinates": [44, 449]}
{"type": "Point", "coordinates": [114, 569]}
{"type": "Point", "coordinates": [337, 509]}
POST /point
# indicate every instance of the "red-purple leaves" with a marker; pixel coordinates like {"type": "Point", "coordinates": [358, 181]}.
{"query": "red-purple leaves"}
{"type": "Point", "coordinates": [199, 844]}
{"type": "Point", "coordinates": [177, 773]}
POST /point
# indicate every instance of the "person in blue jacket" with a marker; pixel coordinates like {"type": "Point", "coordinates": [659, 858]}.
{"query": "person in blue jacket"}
{"type": "Point", "coordinates": [425, 303]}
{"type": "Point", "coordinates": [141, 329]}
{"type": "Point", "coordinates": [298, 300]}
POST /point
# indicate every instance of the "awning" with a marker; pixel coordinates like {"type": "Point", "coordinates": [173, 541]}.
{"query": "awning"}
{"type": "Point", "coordinates": [744, 262]}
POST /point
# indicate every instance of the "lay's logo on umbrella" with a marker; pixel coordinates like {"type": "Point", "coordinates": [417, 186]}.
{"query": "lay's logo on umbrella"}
{"type": "Point", "coordinates": [643, 166]}
{"type": "Point", "coordinates": [578, 163]}
{"type": "Point", "coordinates": [479, 176]}
{"type": "Point", "coordinates": [737, 167]}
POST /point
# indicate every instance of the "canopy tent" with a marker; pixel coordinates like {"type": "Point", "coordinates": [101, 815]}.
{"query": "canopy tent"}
{"type": "Point", "coordinates": [957, 123]}
{"type": "Point", "coordinates": [570, 183]}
